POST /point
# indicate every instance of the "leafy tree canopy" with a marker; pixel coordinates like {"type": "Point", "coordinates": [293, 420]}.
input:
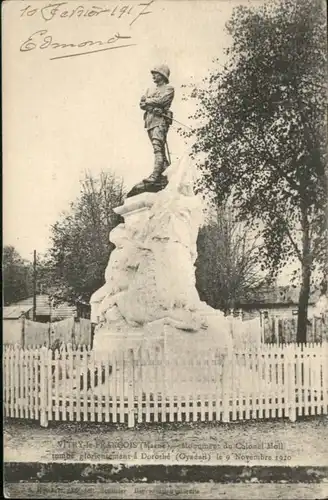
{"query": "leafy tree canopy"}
{"type": "Point", "coordinates": [17, 275]}
{"type": "Point", "coordinates": [264, 131]}
{"type": "Point", "coordinates": [227, 267]}
{"type": "Point", "coordinates": [80, 248]}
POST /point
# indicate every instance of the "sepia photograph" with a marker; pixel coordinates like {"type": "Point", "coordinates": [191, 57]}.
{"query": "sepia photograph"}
{"type": "Point", "coordinates": [165, 252]}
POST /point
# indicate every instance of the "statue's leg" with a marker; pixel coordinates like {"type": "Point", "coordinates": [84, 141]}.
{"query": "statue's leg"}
{"type": "Point", "coordinates": [162, 137]}
{"type": "Point", "coordinates": [159, 152]}
{"type": "Point", "coordinates": [157, 137]}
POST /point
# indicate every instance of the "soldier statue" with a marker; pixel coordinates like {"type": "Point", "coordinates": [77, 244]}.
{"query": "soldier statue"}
{"type": "Point", "coordinates": [156, 104]}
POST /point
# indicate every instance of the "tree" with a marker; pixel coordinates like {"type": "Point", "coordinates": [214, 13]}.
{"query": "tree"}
{"type": "Point", "coordinates": [227, 267]}
{"type": "Point", "coordinates": [17, 276]}
{"type": "Point", "coordinates": [264, 132]}
{"type": "Point", "coordinates": [80, 239]}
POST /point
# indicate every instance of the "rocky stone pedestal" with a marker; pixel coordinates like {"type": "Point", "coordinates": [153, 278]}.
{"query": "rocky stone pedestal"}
{"type": "Point", "coordinates": [150, 297]}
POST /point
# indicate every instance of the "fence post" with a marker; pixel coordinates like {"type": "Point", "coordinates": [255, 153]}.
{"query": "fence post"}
{"type": "Point", "coordinates": [276, 329]}
{"type": "Point", "coordinates": [262, 327]}
{"type": "Point", "coordinates": [73, 333]}
{"type": "Point", "coordinates": [291, 383]}
{"type": "Point", "coordinates": [228, 360]}
{"type": "Point", "coordinates": [44, 387]}
{"type": "Point", "coordinates": [23, 332]}
{"type": "Point", "coordinates": [130, 386]}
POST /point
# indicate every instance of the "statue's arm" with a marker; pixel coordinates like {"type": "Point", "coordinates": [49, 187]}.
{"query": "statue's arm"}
{"type": "Point", "coordinates": [162, 101]}
{"type": "Point", "coordinates": [146, 106]}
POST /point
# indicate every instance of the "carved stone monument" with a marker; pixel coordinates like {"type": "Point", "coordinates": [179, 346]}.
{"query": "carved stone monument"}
{"type": "Point", "coordinates": [149, 292]}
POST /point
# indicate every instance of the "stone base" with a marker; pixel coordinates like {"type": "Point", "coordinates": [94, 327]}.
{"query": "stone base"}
{"type": "Point", "coordinates": [106, 342]}
{"type": "Point", "coordinates": [161, 332]}
{"type": "Point", "coordinates": [164, 359]}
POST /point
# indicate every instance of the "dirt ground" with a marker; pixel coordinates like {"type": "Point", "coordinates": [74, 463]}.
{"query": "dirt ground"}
{"type": "Point", "coordinates": [279, 442]}
{"type": "Point", "coordinates": [166, 461]}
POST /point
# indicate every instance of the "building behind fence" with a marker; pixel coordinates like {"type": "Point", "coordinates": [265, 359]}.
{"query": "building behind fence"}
{"type": "Point", "coordinates": [144, 385]}
{"type": "Point", "coordinates": [284, 330]}
{"type": "Point", "coordinates": [281, 301]}
{"type": "Point", "coordinates": [278, 330]}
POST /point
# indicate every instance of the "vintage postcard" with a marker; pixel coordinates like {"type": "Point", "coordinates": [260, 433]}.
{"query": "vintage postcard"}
{"type": "Point", "coordinates": [165, 310]}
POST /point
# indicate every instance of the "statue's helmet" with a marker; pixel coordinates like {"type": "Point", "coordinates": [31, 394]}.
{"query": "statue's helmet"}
{"type": "Point", "coordinates": [163, 70]}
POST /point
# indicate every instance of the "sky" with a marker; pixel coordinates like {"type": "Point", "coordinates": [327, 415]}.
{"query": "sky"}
{"type": "Point", "coordinates": [63, 116]}
{"type": "Point", "coordinates": [67, 115]}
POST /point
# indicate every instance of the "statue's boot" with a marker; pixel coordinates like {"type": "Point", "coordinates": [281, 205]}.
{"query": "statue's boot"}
{"type": "Point", "coordinates": [156, 181]}
{"type": "Point", "coordinates": [156, 176]}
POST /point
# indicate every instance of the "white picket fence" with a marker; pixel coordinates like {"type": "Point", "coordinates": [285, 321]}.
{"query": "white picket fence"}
{"type": "Point", "coordinates": [137, 386]}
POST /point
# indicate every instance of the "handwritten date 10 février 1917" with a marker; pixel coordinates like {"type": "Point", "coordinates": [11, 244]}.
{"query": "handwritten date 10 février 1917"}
{"type": "Point", "coordinates": [62, 10]}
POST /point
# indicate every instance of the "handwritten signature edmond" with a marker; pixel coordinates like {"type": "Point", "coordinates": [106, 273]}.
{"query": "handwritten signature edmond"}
{"type": "Point", "coordinates": [42, 39]}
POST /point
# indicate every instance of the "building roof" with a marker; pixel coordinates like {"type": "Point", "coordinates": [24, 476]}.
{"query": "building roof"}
{"type": "Point", "coordinates": [44, 308]}
{"type": "Point", "coordinates": [63, 310]}
{"type": "Point", "coordinates": [15, 312]}
{"type": "Point", "coordinates": [280, 295]}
